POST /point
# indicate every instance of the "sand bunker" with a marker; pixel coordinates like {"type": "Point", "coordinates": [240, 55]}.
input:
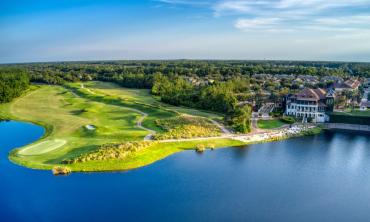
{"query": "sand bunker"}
{"type": "Point", "coordinates": [90, 127]}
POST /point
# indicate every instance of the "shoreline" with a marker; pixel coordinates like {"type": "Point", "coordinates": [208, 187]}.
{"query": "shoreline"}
{"type": "Point", "coordinates": [347, 127]}
{"type": "Point", "coordinates": [169, 148]}
{"type": "Point", "coordinates": [37, 159]}
{"type": "Point", "coordinates": [313, 131]}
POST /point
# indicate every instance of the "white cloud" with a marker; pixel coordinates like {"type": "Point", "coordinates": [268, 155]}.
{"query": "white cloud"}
{"type": "Point", "coordinates": [231, 6]}
{"type": "Point", "coordinates": [185, 2]}
{"type": "Point", "coordinates": [347, 20]}
{"type": "Point", "coordinates": [256, 23]}
{"type": "Point", "coordinates": [332, 15]}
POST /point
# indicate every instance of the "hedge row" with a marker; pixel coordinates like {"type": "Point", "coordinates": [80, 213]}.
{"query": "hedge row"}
{"type": "Point", "coordinates": [360, 120]}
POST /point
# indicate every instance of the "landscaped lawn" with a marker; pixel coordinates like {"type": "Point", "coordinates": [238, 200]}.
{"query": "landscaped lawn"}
{"type": "Point", "coordinates": [270, 124]}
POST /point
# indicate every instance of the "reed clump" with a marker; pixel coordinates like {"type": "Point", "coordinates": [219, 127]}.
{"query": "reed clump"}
{"type": "Point", "coordinates": [110, 152]}
{"type": "Point", "coordinates": [200, 148]}
{"type": "Point", "coordinates": [61, 170]}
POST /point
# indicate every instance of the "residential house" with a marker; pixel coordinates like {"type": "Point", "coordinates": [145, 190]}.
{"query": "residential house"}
{"type": "Point", "coordinates": [351, 84]}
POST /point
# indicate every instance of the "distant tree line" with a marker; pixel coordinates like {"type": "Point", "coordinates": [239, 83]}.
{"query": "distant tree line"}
{"type": "Point", "coordinates": [222, 86]}
{"type": "Point", "coordinates": [140, 73]}
{"type": "Point", "coordinates": [13, 81]}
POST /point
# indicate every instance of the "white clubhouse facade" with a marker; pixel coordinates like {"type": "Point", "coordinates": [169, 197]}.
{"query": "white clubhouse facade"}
{"type": "Point", "coordinates": [310, 104]}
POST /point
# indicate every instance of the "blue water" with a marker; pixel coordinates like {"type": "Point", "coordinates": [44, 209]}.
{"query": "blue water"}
{"type": "Point", "coordinates": [320, 178]}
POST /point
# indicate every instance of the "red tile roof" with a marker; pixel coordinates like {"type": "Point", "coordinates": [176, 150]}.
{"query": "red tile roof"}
{"type": "Point", "coordinates": [354, 84]}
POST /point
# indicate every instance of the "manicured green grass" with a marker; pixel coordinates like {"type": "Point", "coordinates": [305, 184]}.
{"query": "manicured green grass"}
{"type": "Point", "coordinates": [270, 124]}
{"type": "Point", "coordinates": [154, 111]}
{"type": "Point", "coordinates": [144, 96]}
{"type": "Point", "coordinates": [65, 112]}
{"type": "Point", "coordinates": [65, 116]}
{"type": "Point", "coordinates": [42, 147]}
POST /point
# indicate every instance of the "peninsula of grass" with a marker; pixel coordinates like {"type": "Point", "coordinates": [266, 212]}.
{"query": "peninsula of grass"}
{"type": "Point", "coordinates": [270, 124]}
{"type": "Point", "coordinates": [118, 116]}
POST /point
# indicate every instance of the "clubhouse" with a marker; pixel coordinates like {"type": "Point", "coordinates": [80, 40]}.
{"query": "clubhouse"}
{"type": "Point", "coordinates": [310, 105]}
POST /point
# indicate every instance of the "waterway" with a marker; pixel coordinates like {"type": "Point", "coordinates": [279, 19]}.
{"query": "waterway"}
{"type": "Point", "coordinates": [319, 178]}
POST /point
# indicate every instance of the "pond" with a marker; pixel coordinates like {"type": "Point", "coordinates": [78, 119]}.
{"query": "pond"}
{"type": "Point", "coordinates": [320, 178]}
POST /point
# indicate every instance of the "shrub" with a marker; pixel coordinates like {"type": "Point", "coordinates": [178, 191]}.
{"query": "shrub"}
{"type": "Point", "coordinates": [288, 119]}
{"type": "Point", "coordinates": [211, 146]}
{"type": "Point", "coordinates": [186, 127]}
{"type": "Point", "coordinates": [311, 132]}
{"type": "Point", "coordinates": [61, 170]}
{"type": "Point", "coordinates": [200, 148]}
{"type": "Point", "coordinates": [110, 152]}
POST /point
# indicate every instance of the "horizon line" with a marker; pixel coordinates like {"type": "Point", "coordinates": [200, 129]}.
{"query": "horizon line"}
{"type": "Point", "coordinates": [183, 59]}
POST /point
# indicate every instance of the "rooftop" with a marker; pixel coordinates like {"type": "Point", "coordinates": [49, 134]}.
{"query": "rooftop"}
{"type": "Point", "coordinates": [311, 94]}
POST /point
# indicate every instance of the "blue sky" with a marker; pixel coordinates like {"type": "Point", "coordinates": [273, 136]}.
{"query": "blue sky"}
{"type": "Point", "coordinates": [66, 30]}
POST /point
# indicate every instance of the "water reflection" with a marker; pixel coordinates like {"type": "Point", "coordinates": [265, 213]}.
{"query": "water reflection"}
{"type": "Point", "coordinates": [240, 153]}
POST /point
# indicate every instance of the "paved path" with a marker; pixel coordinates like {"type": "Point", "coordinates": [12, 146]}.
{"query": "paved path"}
{"type": "Point", "coordinates": [139, 122]}
{"type": "Point", "coordinates": [222, 127]}
{"type": "Point", "coordinates": [250, 137]}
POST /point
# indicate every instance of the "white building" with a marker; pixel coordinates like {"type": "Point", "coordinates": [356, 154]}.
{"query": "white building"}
{"type": "Point", "coordinates": [310, 104]}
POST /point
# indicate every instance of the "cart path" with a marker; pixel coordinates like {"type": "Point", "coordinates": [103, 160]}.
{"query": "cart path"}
{"type": "Point", "coordinates": [139, 122]}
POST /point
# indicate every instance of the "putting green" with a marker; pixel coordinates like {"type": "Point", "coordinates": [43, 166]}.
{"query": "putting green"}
{"type": "Point", "coordinates": [42, 147]}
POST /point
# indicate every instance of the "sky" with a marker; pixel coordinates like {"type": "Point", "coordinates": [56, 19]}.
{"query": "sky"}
{"type": "Point", "coordinates": [76, 30]}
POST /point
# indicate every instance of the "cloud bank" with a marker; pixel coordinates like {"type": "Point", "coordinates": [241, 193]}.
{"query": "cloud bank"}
{"type": "Point", "coordinates": [274, 15]}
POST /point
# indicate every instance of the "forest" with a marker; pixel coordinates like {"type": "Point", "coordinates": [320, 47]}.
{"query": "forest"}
{"type": "Point", "coordinates": [139, 74]}
{"type": "Point", "coordinates": [13, 82]}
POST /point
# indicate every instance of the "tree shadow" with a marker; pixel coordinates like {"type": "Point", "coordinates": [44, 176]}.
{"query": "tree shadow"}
{"type": "Point", "coordinates": [78, 112]}
{"type": "Point", "coordinates": [73, 153]}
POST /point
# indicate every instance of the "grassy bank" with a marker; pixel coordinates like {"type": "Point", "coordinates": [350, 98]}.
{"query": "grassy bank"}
{"type": "Point", "coordinates": [270, 124]}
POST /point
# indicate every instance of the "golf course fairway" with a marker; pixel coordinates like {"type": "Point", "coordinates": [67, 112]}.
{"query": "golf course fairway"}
{"type": "Point", "coordinates": [117, 115]}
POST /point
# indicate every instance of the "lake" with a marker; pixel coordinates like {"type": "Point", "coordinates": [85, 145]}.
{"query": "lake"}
{"type": "Point", "coordinates": [319, 178]}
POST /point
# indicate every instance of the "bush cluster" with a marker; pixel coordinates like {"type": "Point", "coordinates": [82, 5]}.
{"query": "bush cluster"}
{"type": "Point", "coordinates": [343, 118]}
{"type": "Point", "coordinates": [61, 170]}
{"type": "Point", "coordinates": [288, 119]}
{"type": "Point", "coordinates": [186, 127]}
{"type": "Point", "coordinates": [110, 152]}
{"type": "Point", "coordinates": [201, 147]}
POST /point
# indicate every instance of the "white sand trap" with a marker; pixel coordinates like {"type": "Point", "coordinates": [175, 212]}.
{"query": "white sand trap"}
{"type": "Point", "coordinates": [90, 127]}
{"type": "Point", "coordinates": [42, 147]}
